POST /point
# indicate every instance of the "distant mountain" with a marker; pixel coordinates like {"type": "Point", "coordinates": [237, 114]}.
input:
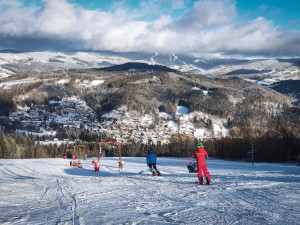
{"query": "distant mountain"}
{"type": "Point", "coordinates": [267, 71]}
{"type": "Point", "coordinates": [138, 67]}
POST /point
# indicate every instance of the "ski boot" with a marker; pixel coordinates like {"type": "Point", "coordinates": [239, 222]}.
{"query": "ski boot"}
{"type": "Point", "coordinates": [201, 182]}
{"type": "Point", "coordinates": [153, 172]}
{"type": "Point", "coordinates": [158, 173]}
{"type": "Point", "coordinates": [207, 181]}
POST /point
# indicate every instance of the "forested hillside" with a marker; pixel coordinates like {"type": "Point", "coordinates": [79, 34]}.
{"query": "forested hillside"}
{"type": "Point", "coordinates": [252, 114]}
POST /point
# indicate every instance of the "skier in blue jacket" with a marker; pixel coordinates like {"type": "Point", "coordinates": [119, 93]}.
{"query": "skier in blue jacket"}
{"type": "Point", "coordinates": [151, 162]}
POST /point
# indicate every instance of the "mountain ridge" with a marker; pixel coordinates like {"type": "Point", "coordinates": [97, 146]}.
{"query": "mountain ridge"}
{"type": "Point", "coordinates": [137, 67]}
{"type": "Point", "coordinates": [189, 63]}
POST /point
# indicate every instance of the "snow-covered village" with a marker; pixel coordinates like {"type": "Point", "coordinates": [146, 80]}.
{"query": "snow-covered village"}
{"type": "Point", "coordinates": [71, 113]}
{"type": "Point", "coordinates": [124, 126]}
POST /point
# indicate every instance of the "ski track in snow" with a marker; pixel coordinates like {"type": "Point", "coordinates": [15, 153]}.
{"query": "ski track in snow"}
{"type": "Point", "coordinates": [50, 191]}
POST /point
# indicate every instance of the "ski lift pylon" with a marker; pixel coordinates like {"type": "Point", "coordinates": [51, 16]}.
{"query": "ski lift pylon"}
{"type": "Point", "coordinates": [97, 164]}
{"type": "Point", "coordinates": [73, 153]}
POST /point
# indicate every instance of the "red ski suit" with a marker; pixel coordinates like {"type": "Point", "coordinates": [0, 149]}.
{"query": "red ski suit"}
{"type": "Point", "coordinates": [201, 154]}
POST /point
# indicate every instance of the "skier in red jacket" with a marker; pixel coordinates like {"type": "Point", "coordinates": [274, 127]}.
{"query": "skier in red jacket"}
{"type": "Point", "coordinates": [200, 155]}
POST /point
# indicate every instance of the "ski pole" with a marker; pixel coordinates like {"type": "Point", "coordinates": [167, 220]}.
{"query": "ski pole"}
{"type": "Point", "coordinates": [184, 163]}
{"type": "Point", "coordinates": [190, 157]}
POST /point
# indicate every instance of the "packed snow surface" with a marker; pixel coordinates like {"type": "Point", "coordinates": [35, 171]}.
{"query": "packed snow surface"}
{"type": "Point", "coordinates": [50, 191]}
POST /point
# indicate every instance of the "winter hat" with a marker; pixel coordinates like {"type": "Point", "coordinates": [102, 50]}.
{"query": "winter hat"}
{"type": "Point", "coordinates": [200, 144]}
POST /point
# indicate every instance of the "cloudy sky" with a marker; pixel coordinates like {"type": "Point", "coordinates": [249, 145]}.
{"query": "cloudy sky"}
{"type": "Point", "coordinates": [243, 27]}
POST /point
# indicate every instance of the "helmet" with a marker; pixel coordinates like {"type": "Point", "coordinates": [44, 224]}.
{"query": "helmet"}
{"type": "Point", "coordinates": [200, 144]}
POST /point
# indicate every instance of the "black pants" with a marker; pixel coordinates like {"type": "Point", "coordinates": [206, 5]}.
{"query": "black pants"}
{"type": "Point", "coordinates": [154, 167]}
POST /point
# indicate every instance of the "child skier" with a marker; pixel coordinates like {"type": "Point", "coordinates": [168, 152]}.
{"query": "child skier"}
{"type": "Point", "coordinates": [151, 162]}
{"type": "Point", "coordinates": [200, 155]}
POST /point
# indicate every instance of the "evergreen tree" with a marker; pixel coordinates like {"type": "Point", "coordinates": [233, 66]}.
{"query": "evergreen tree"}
{"type": "Point", "coordinates": [4, 146]}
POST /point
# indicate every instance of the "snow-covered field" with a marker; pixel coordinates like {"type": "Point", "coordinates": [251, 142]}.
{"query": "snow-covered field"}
{"type": "Point", "coordinates": [50, 191]}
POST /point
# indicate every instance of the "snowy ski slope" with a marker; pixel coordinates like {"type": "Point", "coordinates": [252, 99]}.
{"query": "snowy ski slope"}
{"type": "Point", "coordinates": [50, 191]}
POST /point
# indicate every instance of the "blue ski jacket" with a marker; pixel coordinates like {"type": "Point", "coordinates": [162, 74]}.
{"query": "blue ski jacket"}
{"type": "Point", "coordinates": [151, 158]}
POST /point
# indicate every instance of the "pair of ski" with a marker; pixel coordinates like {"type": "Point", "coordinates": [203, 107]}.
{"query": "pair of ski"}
{"type": "Point", "coordinates": [156, 174]}
{"type": "Point", "coordinates": [203, 183]}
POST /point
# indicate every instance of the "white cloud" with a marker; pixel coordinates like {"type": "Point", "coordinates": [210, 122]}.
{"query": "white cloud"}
{"type": "Point", "coordinates": [11, 3]}
{"type": "Point", "coordinates": [208, 13]}
{"type": "Point", "coordinates": [209, 26]}
{"type": "Point", "coordinates": [57, 18]}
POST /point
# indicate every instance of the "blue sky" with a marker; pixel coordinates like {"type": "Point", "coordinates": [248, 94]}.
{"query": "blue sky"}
{"type": "Point", "coordinates": [282, 12]}
{"type": "Point", "coordinates": [244, 27]}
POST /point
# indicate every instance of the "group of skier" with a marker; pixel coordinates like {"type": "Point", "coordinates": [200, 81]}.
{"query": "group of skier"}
{"type": "Point", "coordinates": [200, 156]}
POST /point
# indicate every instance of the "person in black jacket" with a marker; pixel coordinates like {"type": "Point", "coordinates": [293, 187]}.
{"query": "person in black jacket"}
{"type": "Point", "coordinates": [151, 162]}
